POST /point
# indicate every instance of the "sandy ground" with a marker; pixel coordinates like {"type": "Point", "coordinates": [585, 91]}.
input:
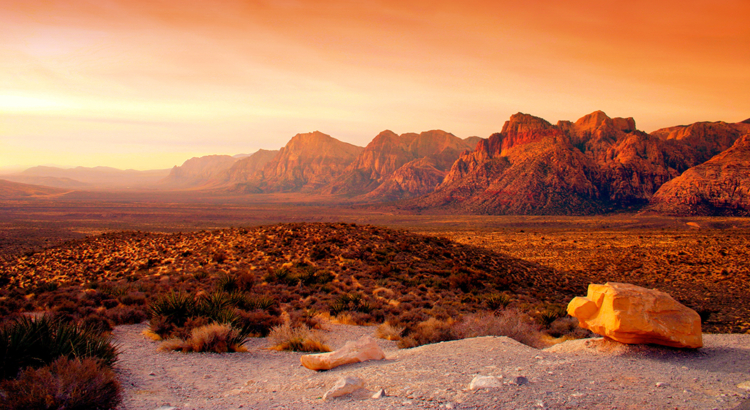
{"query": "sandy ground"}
{"type": "Point", "coordinates": [591, 373]}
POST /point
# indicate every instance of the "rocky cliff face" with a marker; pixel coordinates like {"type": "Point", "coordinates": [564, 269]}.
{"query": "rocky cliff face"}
{"type": "Point", "coordinates": [703, 140]}
{"type": "Point", "coordinates": [307, 162]}
{"type": "Point", "coordinates": [378, 171]}
{"type": "Point", "coordinates": [593, 165]}
{"type": "Point", "coordinates": [720, 186]}
{"type": "Point", "coordinates": [197, 171]}
{"type": "Point", "coordinates": [244, 171]}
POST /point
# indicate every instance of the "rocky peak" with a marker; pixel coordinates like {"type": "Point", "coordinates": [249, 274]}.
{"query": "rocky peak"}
{"type": "Point", "coordinates": [521, 123]}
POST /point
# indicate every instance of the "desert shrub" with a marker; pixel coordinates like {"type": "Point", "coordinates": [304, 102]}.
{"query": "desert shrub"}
{"type": "Point", "coordinates": [132, 298]}
{"type": "Point", "coordinates": [126, 315]}
{"type": "Point", "coordinates": [37, 342]}
{"type": "Point", "coordinates": [350, 302]}
{"type": "Point", "coordinates": [495, 301]}
{"type": "Point", "coordinates": [96, 323]}
{"type": "Point", "coordinates": [69, 384]}
{"type": "Point", "coordinates": [174, 307]}
{"type": "Point", "coordinates": [297, 338]}
{"type": "Point", "coordinates": [311, 275]}
{"type": "Point", "coordinates": [257, 322]}
{"type": "Point", "coordinates": [511, 323]}
{"type": "Point", "coordinates": [389, 332]}
{"type": "Point", "coordinates": [567, 328]}
{"type": "Point", "coordinates": [227, 283]}
{"type": "Point", "coordinates": [214, 337]}
{"type": "Point", "coordinates": [430, 331]}
{"type": "Point", "coordinates": [282, 276]}
{"type": "Point", "coordinates": [550, 313]}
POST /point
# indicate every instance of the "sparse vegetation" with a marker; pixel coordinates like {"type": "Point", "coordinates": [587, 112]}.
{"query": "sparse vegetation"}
{"type": "Point", "coordinates": [297, 338]}
{"type": "Point", "coordinates": [70, 384]}
{"type": "Point", "coordinates": [27, 342]}
{"type": "Point", "coordinates": [215, 337]}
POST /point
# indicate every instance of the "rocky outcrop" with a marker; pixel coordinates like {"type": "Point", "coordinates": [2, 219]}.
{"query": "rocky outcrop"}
{"type": "Point", "coordinates": [596, 164]}
{"type": "Point", "coordinates": [244, 172]}
{"type": "Point", "coordinates": [377, 171]}
{"type": "Point", "coordinates": [197, 171]}
{"type": "Point", "coordinates": [362, 350]}
{"type": "Point", "coordinates": [307, 162]}
{"type": "Point", "coordinates": [632, 314]}
{"type": "Point", "coordinates": [703, 140]}
{"type": "Point", "coordinates": [720, 186]}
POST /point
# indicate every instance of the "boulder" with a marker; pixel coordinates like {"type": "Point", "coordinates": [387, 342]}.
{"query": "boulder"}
{"type": "Point", "coordinates": [362, 350]}
{"type": "Point", "coordinates": [344, 385]}
{"type": "Point", "coordinates": [485, 382]}
{"type": "Point", "coordinates": [632, 314]}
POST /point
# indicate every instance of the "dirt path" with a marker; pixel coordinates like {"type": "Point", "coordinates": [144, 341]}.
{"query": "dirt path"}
{"type": "Point", "coordinates": [591, 373]}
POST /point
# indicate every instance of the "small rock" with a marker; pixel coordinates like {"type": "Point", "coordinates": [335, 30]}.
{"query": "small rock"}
{"type": "Point", "coordinates": [484, 382]}
{"type": "Point", "coordinates": [344, 385]}
{"type": "Point", "coordinates": [152, 374]}
{"type": "Point", "coordinates": [166, 408]}
{"type": "Point", "coordinates": [449, 406]}
{"type": "Point", "coordinates": [380, 393]}
{"type": "Point", "coordinates": [519, 381]}
{"type": "Point", "coordinates": [744, 385]}
{"type": "Point", "coordinates": [660, 384]}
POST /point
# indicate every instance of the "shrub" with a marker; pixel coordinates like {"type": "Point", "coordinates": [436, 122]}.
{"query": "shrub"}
{"type": "Point", "coordinates": [281, 276]}
{"type": "Point", "coordinates": [511, 323]}
{"type": "Point", "coordinates": [430, 331]}
{"type": "Point", "coordinates": [69, 384]}
{"type": "Point", "coordinates": [567, 328]}
{"type": "Point", "coordinates": [175, 307]}
{"type": "Point", "coordinates": [550, 313]}
{"type": "Point", "coordinates": [215, 337]}
{"type": "Point", "coordinates": [228, 283]}
{"type": "Point", "coordinates": [298, 339]}
{"type": "Point", "coordinates": [389, 332]}
{"type": "Point", "coordinates": [37, 342]}
{"type": "Point", "coordinates": [258, 322]}
{"type": "Point", "coordinates": [495, 301]}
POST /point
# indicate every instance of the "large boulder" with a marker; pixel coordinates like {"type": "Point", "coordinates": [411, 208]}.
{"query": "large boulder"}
{"type": "Point", "coordinates": [362, 350]}
{"type": "Point", "coordinates": [632, 314]}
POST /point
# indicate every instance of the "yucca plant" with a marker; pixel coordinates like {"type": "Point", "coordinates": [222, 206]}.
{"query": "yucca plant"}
{"type": "Point", "coordinates": [28, 342]}
{"type": "Point", "coordinates": [495, 301]}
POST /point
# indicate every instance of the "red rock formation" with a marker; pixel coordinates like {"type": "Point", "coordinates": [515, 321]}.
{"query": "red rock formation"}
{"type": "Point", "coordinates": [377, 171]}
{"type": "Point", "coordinates": [596, 164]}
{"type": "Point", "coordinates": [243, 173]}
{"type": "Point", "coordinates": [720, 186]}
{"type": "Point", "coordinates": [307, 162]}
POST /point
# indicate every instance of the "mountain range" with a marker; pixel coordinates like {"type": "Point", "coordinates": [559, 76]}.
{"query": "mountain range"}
{"type": "Point", "coordinates": [594, 165]}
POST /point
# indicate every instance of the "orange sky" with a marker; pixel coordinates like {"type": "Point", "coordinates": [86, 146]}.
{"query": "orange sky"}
{"type": "Point", "coordinates": [148, 84]}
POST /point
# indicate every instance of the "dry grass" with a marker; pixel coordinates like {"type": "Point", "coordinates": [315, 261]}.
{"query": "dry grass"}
{"type": "Point", "coordinates": [388, 331]}
{"type": "Point", "coordinates": [511, 323]}
{"type": "Point", "coordinates": [297, 338]}
{"type": "Point", "coordinates": [215, 337]}
{"type": "Point", "coordinates": [64, 384]}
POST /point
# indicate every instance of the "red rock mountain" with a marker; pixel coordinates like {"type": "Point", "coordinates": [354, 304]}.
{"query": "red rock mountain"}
{"type": "Point", "coordinates": [307, 163]}
{"type": "Point", "coordinates": [197, 171]}
{"type": "Point", "coordinates": [398, 166]}
{"type": "Point", "coordinates": [246, 169]}
{"type": "Point", "coordinates": [596, 164]}
{"type": "Point", "coordinates": [720, 186]}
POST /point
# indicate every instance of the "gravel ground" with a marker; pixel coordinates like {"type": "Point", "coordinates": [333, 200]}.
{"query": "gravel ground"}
{"type": "Point", "coordinates": [591, 373]}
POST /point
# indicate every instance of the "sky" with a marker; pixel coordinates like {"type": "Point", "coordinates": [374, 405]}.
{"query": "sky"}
{"type": "Point", "coordinates": [147, 84]}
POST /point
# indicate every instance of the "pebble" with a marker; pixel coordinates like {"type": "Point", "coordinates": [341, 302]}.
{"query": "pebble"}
{"type": "Point", "coordinates": [744, 385]}
{"type": "Point", "coordinates": [661, 384]}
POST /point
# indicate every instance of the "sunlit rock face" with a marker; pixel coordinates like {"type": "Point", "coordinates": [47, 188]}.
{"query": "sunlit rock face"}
{"type": "Point", "coordinates": [720, 186]}
{"type": "Point", "coordinates": [632, 314]}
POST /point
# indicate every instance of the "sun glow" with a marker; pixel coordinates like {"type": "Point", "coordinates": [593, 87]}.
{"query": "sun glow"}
{"type": "Point", "coordinates": [19, 103]}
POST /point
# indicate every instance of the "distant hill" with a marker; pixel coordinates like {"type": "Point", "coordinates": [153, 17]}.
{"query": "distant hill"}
{"type": "Point", "coordinates": [197, 171]}
{"type": "Point", "coordinates": [97, 178]}
{"type": "Point", "coordinates": [15, 190]}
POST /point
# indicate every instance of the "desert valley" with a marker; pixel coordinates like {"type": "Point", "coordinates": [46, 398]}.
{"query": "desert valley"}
{"type": "Point", "coordinates": [417, 238]}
